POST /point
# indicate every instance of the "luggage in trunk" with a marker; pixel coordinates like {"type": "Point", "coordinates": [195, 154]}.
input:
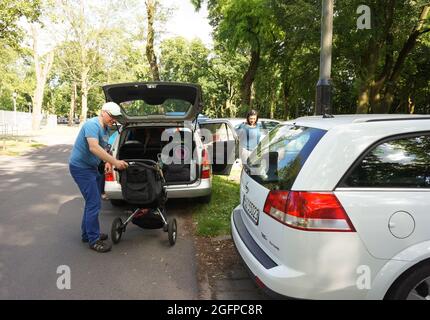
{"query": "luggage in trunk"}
{"type": "Point", "coordinates": [173, 173]}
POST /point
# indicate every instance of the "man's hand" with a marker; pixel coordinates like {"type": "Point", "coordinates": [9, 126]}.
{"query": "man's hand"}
{"type": "Point", "coordinates": [108, 167]}
{"type": "Point", "coordinates": [120, 164]}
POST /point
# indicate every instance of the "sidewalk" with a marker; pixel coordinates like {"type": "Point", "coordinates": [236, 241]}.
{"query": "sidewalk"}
{"type": "Point", "coordinates": [58, 135]}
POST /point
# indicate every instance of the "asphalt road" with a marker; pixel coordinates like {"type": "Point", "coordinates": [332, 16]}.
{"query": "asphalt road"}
{"type": "Point", "coordinates": [40, 216]}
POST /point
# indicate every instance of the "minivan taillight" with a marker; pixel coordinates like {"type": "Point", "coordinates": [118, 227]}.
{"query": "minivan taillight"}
{"type": "Point", "coordinates": [308, 211]}
{"type": "Point", "coordinates": [206, 166]}
{"type": "Point", "coordinates": [109, 176]}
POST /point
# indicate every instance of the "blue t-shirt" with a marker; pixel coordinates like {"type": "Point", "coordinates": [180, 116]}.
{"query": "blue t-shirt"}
{"type": "Point", "coordinates": [112, 138]}
{"type": "Point", "coordinates": [81, 155]}
{"type": "Point", "coordinates": [249, 136]}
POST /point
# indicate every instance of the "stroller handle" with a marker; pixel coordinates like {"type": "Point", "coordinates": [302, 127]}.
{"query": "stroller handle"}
{"type": "Point", "coordinates": [144, 162]}
{"type": "Point", "coordinates": [147, 163]}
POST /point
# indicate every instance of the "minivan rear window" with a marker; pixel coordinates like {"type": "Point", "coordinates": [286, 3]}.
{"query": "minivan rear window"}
{"type": "Point", "coordinates": [278, 159]}
{"type": "Point", "coordinates": [168, 107]}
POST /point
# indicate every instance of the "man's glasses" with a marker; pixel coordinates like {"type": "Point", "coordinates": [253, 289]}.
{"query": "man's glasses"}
{"type": "Point", "coordinates": [113, 118]}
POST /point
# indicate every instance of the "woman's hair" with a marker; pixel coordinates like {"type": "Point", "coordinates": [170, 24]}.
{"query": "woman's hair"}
{"type": "Point", "coordinates": [251, 113]}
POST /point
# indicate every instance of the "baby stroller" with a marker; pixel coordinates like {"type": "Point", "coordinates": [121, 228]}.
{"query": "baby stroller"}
{"type": "Point", "coordinates": [143, 185]}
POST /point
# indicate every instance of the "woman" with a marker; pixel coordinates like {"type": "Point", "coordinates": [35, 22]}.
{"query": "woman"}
{"type": "Point", "coordinates": [249, 135]}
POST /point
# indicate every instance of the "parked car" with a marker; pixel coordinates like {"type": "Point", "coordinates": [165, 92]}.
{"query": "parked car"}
{"type": "Point", "coordinates": [150, 110]}
{"type": "Point", "coordinates": [265, 124]}
{"type": "Point", "coordinates": [62, 120]}
{"type": "Point", "coordinates": [337, 208]}
{"type": "Point", "coordinates": [222, 145]}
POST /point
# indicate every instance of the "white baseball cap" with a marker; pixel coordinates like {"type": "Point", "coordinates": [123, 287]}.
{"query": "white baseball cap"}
{"type": "Point", "coordinates": [112, 108]}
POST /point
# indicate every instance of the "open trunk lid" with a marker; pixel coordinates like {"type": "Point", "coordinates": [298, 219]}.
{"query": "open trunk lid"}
{"type": "Point", "coordinates": [156, 102]}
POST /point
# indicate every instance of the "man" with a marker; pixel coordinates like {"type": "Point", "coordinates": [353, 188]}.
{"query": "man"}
{"type": "Point", "coordinates": [87, 152]}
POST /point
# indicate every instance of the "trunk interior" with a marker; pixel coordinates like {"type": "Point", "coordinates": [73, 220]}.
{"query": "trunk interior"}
{"type": "Point", "coordinates": [146, 143]}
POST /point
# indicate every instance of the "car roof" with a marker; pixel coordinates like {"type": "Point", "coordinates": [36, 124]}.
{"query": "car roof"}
{"type": "Point", "coordinates": [333, 121]}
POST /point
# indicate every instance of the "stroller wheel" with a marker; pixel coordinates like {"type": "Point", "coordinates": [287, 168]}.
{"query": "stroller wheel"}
{"type": "Point", "coordinates": [172, 233]}
{"type": "Point", "coordinates": [116, 230]}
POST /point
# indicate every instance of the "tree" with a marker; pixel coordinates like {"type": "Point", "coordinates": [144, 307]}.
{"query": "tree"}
{"type": "Point", "coordinates": [378, 56]}
{"type": "Point", "coordinates": [87, 39]}
{"type": "Point", "coordinates": [11, 11]}
{"type": "Point", "coordinates": [243, 24]}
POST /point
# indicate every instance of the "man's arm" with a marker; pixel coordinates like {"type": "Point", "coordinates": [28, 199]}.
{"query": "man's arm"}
{"type": "Point", "coordinates": [98, 151]}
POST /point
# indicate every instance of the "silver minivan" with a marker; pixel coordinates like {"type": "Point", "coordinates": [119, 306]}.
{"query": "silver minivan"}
{"type": "Point", "coordinates": [159, 122]}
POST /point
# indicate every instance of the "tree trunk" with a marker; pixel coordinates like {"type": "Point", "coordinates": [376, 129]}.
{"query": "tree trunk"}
{"type": "Point", "coordinates": [272, 109]}
{"type": "Point", "coordinates": [150, 54]}
{"type": "Point", "coordinates": [378, 95]}
{"type": "Point", "coordinates": [42, 71]}
{"type": "Point", "coordinates": [72, 104]}
{"type": "Point", "coordinates": [286, 95]}
{"type": "Point", "coordinates": [406, 50]}
{"type": "Point", "coordinates": [84, 99]}
{"type": "Point", "coordinates": [249, 77]}
{"type": "Point", "coordinates": [231, 106]}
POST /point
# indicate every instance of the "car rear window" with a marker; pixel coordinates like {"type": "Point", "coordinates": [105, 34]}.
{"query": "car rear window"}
{"type": "Point", "coordinates": [278, 159]}
{"type": "Point", "coordinates": [167, 107]}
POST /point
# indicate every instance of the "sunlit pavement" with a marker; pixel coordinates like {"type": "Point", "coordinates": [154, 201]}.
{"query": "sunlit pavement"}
{"type": "Point", "coordinates": [40, 217]}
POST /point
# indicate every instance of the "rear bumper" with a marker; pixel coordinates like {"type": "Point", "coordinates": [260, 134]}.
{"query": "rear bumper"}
{"type": "Point", "coordinates": [200, 188]}
{"type": "Point", "coordinates": [322, 281]}
{"type": "Point", "coordinates": [257, 262]}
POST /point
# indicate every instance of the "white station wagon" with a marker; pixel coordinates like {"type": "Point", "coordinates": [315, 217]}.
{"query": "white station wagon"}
{"type": "Point", "coordinates": [339, 208]}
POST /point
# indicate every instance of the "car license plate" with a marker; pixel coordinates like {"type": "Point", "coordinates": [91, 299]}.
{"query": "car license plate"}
{"type": "Point", "coordinates": [251, 210]}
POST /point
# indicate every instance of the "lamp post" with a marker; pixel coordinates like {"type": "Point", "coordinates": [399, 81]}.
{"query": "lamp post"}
{"type": "Point", "coordinates": [323, 94]}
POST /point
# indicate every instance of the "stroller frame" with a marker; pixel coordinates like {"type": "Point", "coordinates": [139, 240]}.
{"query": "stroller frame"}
{"type": "Point", "coordinates": [168, 225]}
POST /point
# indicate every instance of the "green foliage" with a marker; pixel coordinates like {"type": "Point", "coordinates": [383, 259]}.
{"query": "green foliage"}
{"type": "Point", "coordinates": [11, 11]}
{"type": "Point", "coordinates": [284, 33]}
{"type": "Point", "coordinates": [213, 219]}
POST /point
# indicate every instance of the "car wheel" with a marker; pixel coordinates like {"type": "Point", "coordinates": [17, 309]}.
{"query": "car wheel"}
{"type": "Point", "coordinates": [414, 285]}
{"type": "Point", "coordinates": [117, 202]}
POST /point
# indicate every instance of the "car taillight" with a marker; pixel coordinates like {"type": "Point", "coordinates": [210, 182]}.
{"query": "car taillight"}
{"type": "Point", "coordinates": [309, 211]}
{"type": "Point", "coordinates": [109, 176]}
{"type": "Point", "coordinates": [206, 166]}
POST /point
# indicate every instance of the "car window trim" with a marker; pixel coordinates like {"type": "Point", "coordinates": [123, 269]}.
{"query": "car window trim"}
{"type": "Point", "coordinates": [341, 184]}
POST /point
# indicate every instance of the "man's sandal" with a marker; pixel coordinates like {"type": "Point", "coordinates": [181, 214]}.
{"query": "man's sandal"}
{"type": "Point", "coordinates": [101, 246]}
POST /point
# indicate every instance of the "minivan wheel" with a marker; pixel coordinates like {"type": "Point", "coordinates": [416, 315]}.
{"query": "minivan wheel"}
{"type": "Point", "coordinates": [117, 202]}
{"type": "Point", "coordinates": [415, 285]}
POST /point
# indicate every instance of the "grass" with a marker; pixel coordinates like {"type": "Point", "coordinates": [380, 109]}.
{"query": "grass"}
{"type": "Point", "coordinates": [213, 219]}
{"type": "Point", "coordinates": [17, 147]}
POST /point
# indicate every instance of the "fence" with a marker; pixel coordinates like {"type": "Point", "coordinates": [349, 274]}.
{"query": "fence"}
{"type": "Point", "coordinates": [19, 123]}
